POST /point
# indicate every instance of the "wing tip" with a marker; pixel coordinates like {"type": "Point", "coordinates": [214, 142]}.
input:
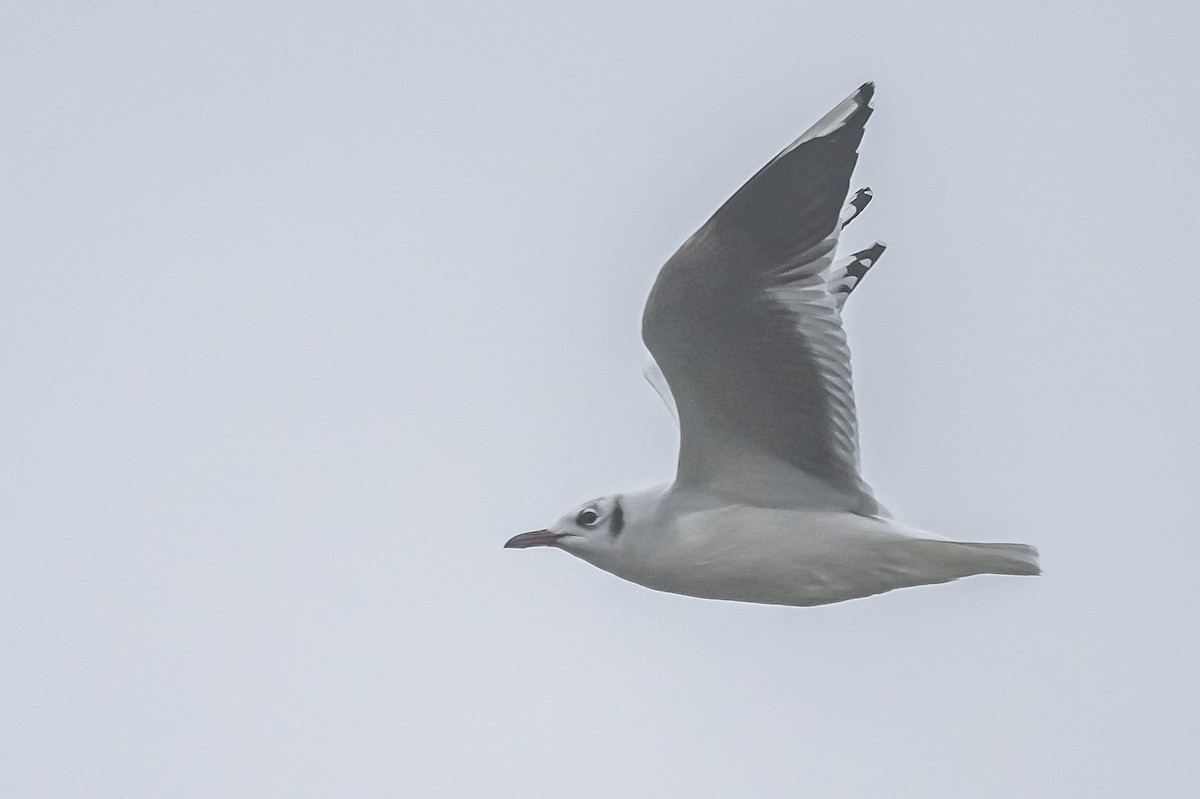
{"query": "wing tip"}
{"type": "Point", "coordinates": [859, 111]}
{"type": "Point", "coordinates": [856, 205]}
{"type": "Point", "coordinates": [863, 97]}
{"type": "Point", "coordinates": [850, 271]}
{"type": "Point", "coordinates": [852, 113]}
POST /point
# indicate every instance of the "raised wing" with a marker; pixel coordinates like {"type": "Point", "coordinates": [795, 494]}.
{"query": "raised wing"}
{"type": "Point", "coordinates": [745, 323]}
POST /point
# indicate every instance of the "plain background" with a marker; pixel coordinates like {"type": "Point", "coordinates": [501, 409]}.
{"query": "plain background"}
{"type": "Point", "coordinates": [306, 308]}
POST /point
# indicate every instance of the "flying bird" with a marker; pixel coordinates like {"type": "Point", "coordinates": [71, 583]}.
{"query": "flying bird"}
{"type": "Point", "coordinates": [744, 324]}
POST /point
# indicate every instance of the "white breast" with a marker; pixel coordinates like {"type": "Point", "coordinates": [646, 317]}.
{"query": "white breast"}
{"type": "Point", "coordinates": [783, 556]}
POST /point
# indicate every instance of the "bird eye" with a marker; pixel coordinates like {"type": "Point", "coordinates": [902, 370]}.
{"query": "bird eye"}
{"type": "Point", "coordinates": [587, 517]}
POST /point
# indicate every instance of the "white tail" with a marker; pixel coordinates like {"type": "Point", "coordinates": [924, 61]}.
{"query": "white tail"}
{"type": "Point", "coordinates": [1004, 558]}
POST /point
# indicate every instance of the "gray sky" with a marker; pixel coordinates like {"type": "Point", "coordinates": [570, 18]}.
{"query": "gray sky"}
{"type": "Point", "coordinates": [305, 309]}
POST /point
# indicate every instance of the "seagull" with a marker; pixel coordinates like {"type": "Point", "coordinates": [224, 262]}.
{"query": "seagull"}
{"type": "Point", "coordinates": [744, 324]}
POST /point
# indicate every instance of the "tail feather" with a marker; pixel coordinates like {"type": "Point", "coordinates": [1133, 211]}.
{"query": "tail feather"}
{"type": "Point", "coordinates": [1005, 558]}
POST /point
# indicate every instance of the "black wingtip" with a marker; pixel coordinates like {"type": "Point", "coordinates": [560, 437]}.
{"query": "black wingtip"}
{"type": "Point", "coordinates": [856, 205]}
{"type": "Point", "coordinates": [873, 252]}
{"type": "Point", "coordinates": [863, 111]}
{"type": "Point", "coordinates": [863, 261]}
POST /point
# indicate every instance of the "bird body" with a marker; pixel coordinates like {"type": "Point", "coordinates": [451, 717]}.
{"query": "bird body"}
{"type": "Point", "coordinates": [744, 325]}
{"type": "Point", "coordinates": [687, 542]}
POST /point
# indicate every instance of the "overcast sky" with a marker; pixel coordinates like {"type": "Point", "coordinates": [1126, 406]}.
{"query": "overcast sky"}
{"type": "Point", "coordinates": [306, 308]}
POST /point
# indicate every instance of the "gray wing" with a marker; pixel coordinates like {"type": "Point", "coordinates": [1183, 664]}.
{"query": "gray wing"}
{"type": "Point", "coordinates": [745, 323]}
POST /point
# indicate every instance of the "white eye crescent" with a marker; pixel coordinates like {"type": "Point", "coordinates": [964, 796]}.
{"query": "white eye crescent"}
{"type": "Point", "coordinates": [588, 517]}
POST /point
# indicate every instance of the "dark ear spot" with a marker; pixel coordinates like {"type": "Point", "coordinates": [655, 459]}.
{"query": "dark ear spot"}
{"type": "Point", "coordinates": [617, 520]}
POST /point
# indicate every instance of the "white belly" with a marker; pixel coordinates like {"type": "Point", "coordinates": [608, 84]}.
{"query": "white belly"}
{"type": "Point", "coordinates": [787, 557]}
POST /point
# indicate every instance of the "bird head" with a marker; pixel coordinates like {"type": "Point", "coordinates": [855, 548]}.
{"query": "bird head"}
{"type": "Point", "coordinates": [591, 529]}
